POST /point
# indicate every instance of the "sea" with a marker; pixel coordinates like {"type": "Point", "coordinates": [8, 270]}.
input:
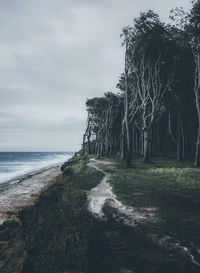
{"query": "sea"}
{"type": "Point", "coordinates": [14, 165]}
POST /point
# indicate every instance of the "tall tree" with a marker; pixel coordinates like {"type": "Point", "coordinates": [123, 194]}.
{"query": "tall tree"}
{"type": "Point", "coordinates": [194, 29]}
{"type": "Point", "coordinates": [151, 82]}
{"type": "Point", "coordinates": [126, 147]}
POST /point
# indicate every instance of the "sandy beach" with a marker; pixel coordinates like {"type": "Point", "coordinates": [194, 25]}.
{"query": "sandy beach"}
{"type": "Point", "coordinates": [15, 196]}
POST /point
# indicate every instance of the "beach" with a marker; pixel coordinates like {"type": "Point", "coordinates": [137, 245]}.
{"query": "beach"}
{"type": "Point", "coordinates": [24, 192]}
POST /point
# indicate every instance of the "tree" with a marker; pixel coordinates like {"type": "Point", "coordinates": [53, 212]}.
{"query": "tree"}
{"type": "Point", "coordinates": [103, 114]}
{"type": "Point", "coordinates": [148, 69]}
{"type": "Point", "coordinates": [155, 112]}
{"type": "Point", "coordinates": [126, 146]}
{"type": "Point", "coordinates": [193, 30]}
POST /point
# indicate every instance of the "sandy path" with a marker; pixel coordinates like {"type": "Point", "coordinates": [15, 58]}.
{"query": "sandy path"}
{"type": "Point", "coordinates": [102, 198]}
{"type": "Point", "coordinates": [24, 193]}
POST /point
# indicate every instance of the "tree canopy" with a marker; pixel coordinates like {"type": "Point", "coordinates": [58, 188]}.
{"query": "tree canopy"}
{"type": "Point", "coordinates": [157, 109]}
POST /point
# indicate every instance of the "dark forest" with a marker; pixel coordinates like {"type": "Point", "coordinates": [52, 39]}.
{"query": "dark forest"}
{"type": "Point", "coordinates": [157, 108]}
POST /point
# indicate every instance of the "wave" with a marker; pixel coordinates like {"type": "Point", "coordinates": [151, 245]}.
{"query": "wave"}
{"type": "Point", "coordinates": [15, 165]}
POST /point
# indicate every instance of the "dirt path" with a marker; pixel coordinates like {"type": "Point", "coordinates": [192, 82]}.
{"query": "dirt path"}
{"type": "Point", "coordinates": [102, 202]}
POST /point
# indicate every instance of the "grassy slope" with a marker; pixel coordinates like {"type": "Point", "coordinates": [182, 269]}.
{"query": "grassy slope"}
{"type": "Point", "coordinates": [54, 234]}
{"type": "Point", "coordinates": [170, 186]}
{"type": "Point", "coordinates": [59, 235]}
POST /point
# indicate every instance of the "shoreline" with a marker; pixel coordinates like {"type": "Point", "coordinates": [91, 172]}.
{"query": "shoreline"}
{"type": "Point", "coordinates": [58, 232]}
{"type": "Point", "coordinates": [15, 196]}
{"type": "Point", "coordinates": [18, 179]}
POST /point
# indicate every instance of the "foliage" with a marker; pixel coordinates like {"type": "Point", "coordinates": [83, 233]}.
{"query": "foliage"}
{"type": "Point", "coordinates": [161, 71]}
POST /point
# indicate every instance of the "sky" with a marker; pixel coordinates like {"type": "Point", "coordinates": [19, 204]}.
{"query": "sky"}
{"type": "Point", "coordinates": [54, 54]}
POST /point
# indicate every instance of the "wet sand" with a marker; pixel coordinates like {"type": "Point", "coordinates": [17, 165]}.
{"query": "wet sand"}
{"type": "Point", "coordinates": [25, 191]}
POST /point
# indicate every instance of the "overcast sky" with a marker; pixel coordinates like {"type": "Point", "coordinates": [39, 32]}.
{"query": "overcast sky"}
{"type": "Point", "coordinates": [53, 55]}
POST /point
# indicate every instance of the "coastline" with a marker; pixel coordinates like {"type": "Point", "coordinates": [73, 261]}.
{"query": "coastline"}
{"type": "Point", "coordinates": [54, 234]}
{"type": "Point", "coordinates": [14, 196]}
{"type": "Point", "coordinates": [59, 234]}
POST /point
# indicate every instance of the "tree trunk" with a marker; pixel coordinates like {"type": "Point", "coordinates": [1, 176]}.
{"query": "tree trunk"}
{"type": "Point", "coordinates": [196, 54]}
{"type": "Point", "coordinates": [83, 146]}
{"type": "Point", "coordinates": [180, 138]}
{"type": "Point", "coordinates": [142, 144]}
{"type": "Point", "coordinates": [98, 150]}
{"type": "Point", "coordinates": [146, 145]}
{"type": "Point", "coordinates": [197, 154]}
{"type": "Point", "coordinates": [126, 139]}
{"type": "Point", "coordinates": [129, 146]}
{"type": "Point", "coordinates": [183, 139]}
{"type": "Point", "coordinates": [177, 141]}
{"type": "Point", "coordinates": [123, 141]}
{"type": "Point", "coordinates": [88, 143]}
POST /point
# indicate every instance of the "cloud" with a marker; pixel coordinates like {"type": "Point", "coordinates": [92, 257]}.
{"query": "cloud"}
{"type": "Point", "coordinates": [54, 55]}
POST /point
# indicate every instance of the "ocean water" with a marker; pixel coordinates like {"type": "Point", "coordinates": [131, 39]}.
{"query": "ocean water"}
{"type": "Point", "coordinates": [17, 164]}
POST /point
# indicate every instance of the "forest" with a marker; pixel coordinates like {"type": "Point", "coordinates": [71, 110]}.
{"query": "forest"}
{"type": "Point", "coordinates": [157, 108]}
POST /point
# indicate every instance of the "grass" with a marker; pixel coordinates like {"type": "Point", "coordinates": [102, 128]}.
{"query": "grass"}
{"type": "Point", "coordinates": [54, 234]}
{"type": "Point", "coordinates": [59, 235]}
{"type": "Point", "coordinates": [170, 186]}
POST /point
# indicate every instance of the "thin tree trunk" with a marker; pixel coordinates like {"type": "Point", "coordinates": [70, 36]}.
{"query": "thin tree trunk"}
{"type": "Point", "coordinates": [196, 54]}
{"type": "Point", "coordinates": [142, 144]}
{"type": "Point", "coordinates": [146, 145]}
{"type": "Point", "coordinates": [183, 140]}
{"type": "Point", "coordinates": [197, 154]}
{"type": "Point", "coordinates": [83, 146]}
{"type": "Point", "coordinates": [177, 141]}
{"type": "Point", "coordinates": [88, 143]}
{"type": "Point", "coordinates": [123, 142]}
{"type": "Point", "coordinates": [180, 139]}
{"type": "Point", "coordinates": [126, 153]}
